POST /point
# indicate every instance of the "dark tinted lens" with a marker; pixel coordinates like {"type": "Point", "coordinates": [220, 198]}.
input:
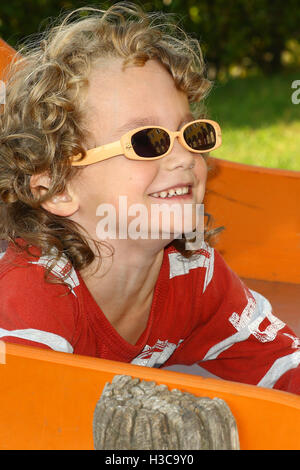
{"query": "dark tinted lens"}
{"type": "Point", "coordinates": [150, 142]}
{"type": "Point", "coordinates": [200, 136]}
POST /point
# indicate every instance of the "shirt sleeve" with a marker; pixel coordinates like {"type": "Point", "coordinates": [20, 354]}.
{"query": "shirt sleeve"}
{"type": "Point", "coordinates": [238, 336]}
{"type": "Point", "coordinates": [35, 312]}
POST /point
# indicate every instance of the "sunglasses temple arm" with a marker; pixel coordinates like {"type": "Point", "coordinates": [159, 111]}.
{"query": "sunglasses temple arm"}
{"type": "Point", "coordinates": [99, 154]}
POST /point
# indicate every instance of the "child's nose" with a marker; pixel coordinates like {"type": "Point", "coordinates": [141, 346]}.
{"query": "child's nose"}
{"type": "Point", "coordinates": [179, 157]}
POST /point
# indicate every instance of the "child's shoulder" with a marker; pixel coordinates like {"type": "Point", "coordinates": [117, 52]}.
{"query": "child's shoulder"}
{"type": "Point", "coordinates": [201, 258]}
{"type": "Point", "coordinates": [14, 260]}
{"type": "Point", "coordinates": [200, 266]}
{"type": "Point", "coordinates": [205, 265]}
{"type": "Point", "coordinates": [33, 311]}
{"type": "Point", "coordinates": [20, 268]}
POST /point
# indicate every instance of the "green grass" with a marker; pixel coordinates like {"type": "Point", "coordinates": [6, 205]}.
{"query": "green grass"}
{"type": "Point", "coordinates": [260, 124]}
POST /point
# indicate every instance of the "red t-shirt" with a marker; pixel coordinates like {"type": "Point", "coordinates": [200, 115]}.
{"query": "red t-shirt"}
{"type": "Point", "coordinates": [201, 313]}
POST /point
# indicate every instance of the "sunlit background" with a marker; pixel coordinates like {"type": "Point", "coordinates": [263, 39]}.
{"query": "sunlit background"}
{"type": "Point", "coordinates": [252, 52]}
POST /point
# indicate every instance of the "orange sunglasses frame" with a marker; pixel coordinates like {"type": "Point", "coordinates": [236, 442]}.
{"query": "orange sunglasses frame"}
{"type": "Point", "coordinates": [123, 146]}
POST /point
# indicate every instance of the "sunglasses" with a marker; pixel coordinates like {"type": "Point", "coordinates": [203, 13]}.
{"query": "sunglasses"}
{"type": "Point", "coordinates": [154, 142]}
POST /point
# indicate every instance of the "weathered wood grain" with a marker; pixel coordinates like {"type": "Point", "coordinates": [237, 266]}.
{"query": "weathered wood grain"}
{"type": "Point", "coordinates": [140, 415]}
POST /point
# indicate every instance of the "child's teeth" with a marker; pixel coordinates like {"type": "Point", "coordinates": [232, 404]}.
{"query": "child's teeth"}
{"type": "Point", "coordinates": [172, 192]}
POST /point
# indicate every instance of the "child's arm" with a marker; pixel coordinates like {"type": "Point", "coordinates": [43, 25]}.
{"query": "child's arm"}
{"type": "Point", "coordinates": [239, 338]}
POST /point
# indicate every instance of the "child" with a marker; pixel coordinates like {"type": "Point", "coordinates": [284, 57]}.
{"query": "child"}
{"type": "Point", "coordinates": [126, 78]}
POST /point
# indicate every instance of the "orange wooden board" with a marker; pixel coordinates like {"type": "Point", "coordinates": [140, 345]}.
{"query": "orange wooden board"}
{"type": "Point", "coordinates": [6, 55]}
{"type": "Point", "coordinates": [48, 400]}
{"type": "Point", "coordinates": [260, 210]}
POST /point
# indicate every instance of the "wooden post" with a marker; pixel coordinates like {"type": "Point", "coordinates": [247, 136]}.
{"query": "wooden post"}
{"type": "Point", "coordinates": [139, 415]}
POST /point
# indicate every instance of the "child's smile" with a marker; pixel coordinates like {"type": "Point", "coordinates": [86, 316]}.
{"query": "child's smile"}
{"type": "Point", "coordinates": [178, 192]}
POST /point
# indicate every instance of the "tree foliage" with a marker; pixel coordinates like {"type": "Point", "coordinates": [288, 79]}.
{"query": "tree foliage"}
{"type": "Point", "coordinates": [252, 34]}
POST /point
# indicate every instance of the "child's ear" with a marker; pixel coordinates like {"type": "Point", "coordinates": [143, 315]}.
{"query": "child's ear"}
{"type": "Point", "coordinates": [64, 204]}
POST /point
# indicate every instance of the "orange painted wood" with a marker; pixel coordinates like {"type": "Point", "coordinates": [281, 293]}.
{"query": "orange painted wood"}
{"type": "Point", "coordinates": [48, 400]}
{"type": "Point", "coordinates": [7, 53]}
{"type": "Point", "coordinates": [260, 210]}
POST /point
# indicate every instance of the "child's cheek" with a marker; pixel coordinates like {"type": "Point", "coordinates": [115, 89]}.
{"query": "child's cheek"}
{"type": "Point", "coordinates": [200, 172]}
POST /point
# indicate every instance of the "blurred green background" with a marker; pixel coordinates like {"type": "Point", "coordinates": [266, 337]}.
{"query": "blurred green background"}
{"type": "Point", "coordinates": [252, 51]}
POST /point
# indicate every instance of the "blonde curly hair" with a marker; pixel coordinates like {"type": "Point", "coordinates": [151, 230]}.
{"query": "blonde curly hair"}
{"type": "Point", "coordinates": [42, 123]}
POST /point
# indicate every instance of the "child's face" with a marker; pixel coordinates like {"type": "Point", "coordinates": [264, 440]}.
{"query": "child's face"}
{"type": "Point", "coordinates": [114, 98]}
